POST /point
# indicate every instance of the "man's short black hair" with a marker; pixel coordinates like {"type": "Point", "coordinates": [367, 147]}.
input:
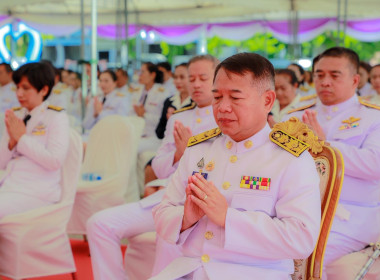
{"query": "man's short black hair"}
{"type": "Point", "coordinates": [7, 67]}
{"type": "Point", "coordinates": [38, 74]}
{"type": "Point", "coordinates": [365, 66]}
{"type": "Point", "coordinates": [352, 56]}
{"type": "Point", "coordinates": [260, 68]}
{"type": "Point", "coordinates": [153, 68]}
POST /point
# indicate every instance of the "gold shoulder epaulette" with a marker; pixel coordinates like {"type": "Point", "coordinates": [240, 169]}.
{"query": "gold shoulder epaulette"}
{"type": "Point", "coordinates": [308, 97]}
{"type": "Point", "coordinates": [191, 106]}
{"type": "Point", "coordinates": [370, 105]}
{"type": "Point", "coordinates": [295, 137]}
{"type": "Point", "coordinates": [196, 139]}
{"type": "Point", "coordinates": [120, 94]}
{"type": "Point", "coordinates": [302, 107]}
{"type": "Point", "coordinates": [16, 108]}
{"type": "Point", "coordinates": [57, 91]}
{"type": "Point", "coordinates": [55, 108]}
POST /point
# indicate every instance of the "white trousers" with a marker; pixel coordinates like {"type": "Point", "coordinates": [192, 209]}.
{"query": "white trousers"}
{"type": "Point", "coordinates": [106, 229]}
{"type": "Point", "coordinates": [14, 203]}
{"type": "Point", "coordinates": [339, 245]}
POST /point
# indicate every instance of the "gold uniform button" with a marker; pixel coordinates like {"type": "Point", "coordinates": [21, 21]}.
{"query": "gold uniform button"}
{"type": "Point", "coordinates": [328, 117]}
{"type": "Point", "coordinates": [335, 109]}
{"type": "Point", "coordinates": [229, 145]}
{"type": "Point", "coordinates": [205, 258]}
{"type": "Point", "coordinates": [209, 235]}
{"type": "Point", "coordinates": [199, 120]}
{"type": "Point", "coordinates": [233, 158]}
{"type": "Point", "coordinates": [226, 185]}
{"type": "Point", "coordinates": [207, 112]}
{"type": "Point", "coordinates": [248, 144]}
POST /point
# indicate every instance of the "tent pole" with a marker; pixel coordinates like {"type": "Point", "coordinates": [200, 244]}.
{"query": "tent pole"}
{"type": "Point", "coordinates": [126, 47]}
{"type": "Point", "coordinates": [82, 57]}
{"type": "Point", "coordinates": [94, 52]}
{"type": "Point", "coordinates": [338, 24]}
{"type": "Point", "coordinates": [345, 21]}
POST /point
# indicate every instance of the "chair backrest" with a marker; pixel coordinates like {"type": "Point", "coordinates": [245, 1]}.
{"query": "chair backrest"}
{"type": "Point", "coordinates": [330, 167]}
{"type": "Point", "coordinates": [112, 148]}
{"type": "Point", "coordinates": [71, 167]}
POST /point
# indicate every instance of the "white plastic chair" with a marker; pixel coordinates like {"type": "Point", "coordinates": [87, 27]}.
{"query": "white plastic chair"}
{"type": "Point", "coordinates": [111, 152]}
{"type": "Point", "coordinates": [35, 243]}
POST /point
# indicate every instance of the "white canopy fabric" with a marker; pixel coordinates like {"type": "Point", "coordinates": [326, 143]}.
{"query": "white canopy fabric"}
{"type": "Point", "coordinates": [172, 12]}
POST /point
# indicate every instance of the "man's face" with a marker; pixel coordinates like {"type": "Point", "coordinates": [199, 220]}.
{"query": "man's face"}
{"type": "Point", "coordinates": [363, 77]}
{"type": "Point", "coordinates": [65, 77]}
{"type": "Point", "coordinates": [285, 91]}
{"type": "Point", "coordinates": [5, 77]}
{"type": "Point", "coordinates": [201, 73]}
{"type": "Point", "coordinates": [335, 80]}
{"type": "Point", "coordinates": [240, 110]}
{"type": "Point", "coordinates": [121, 79]}
{"type": "Point", "coordinates": [375, 78]}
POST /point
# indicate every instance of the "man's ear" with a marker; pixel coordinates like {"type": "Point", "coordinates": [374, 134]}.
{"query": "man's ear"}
{"type": "Point", "coordinates": [269, 97]}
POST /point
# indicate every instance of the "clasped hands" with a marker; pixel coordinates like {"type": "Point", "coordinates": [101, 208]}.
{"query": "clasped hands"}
{"type": "Point", "coordinates": [203, 198]}
{"type": "Point", "coordinates": [15, 128]}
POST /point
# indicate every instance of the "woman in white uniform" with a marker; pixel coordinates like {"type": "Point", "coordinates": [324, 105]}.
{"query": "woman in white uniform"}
{"type": "Point", "coordinates": [34, 144]}
{"type": "Point", "coordinates": [149, 104]}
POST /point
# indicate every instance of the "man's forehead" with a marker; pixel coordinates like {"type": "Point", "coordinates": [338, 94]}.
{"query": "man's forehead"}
{"type": "Point", "coordinates": [333, 64]}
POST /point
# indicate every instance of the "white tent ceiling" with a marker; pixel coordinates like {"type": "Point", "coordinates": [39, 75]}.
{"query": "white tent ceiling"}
{"type": "Point", "coordinates": [171, 12]}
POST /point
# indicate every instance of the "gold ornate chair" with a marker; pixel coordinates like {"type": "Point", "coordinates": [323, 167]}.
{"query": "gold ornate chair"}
{"type": "Point", "coordinates": [330, 167]}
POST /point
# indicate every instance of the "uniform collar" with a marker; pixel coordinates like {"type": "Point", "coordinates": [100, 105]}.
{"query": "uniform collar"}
{"type": "Point", "coordinates": [40, 108]}
{"type": "Point", "coordinates": [204, 111]}
{"type": "Point", "coordinates": [333, 110]}
{"type": "Point", "coordinates": [248, 144]}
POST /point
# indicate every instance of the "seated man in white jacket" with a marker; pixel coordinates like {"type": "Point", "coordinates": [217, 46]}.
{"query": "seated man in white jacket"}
{"type": "Point", "coordinates": [239, 206]}
{"type": "Point", "coordinates": [34, 144]}
{"type": "Point", "coordinates": [107, 228]}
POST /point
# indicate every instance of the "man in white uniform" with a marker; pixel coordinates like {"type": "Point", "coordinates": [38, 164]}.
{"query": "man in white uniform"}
{"type": "Point", "coordinates": [239, 206]}
{"type": "Point", "coordinates": [106, 229]}
{"type": "Point", "coordinates": [354, 128]}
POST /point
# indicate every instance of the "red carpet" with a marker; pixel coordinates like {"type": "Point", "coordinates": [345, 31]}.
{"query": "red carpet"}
{"type": "Point", "coordinates": [82, 262]}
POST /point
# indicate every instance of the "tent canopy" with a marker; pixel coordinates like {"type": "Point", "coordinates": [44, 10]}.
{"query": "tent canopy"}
{"type": "Point", "coordinates": [174, 12]}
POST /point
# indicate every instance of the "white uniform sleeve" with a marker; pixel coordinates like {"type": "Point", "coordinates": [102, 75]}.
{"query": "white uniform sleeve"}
{"type": "Point", "coordinates": [362, 162]}
{"type": "Point", "coordinates": [5, 153]}
{"type": "Point", "coordinates": [168, 214]}
{"type": "Point", "coordinates": [89, 120]}
{"type": "Point", "coordinates": [162, 163]}
{"type": "Point", "coordinates": [52, 155]}
{"type": "Point", "coordinates": [293, 232]}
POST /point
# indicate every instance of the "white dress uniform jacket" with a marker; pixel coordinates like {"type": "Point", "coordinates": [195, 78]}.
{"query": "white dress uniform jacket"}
{"type": "Point", "coordinates": [8, 98]}
{"type": "Point", "coordinates": [153, 107]}
{"type": "Point", "coordinates": [116, 103]}
{"type": "Point", "coordinates": [355, 130]}
{"type": "Point", "coordinates": [264, 229]}
{"type": "Point", "coordinates": [60, 95]}
{"type": "Point", "coordinates": [33, 166]}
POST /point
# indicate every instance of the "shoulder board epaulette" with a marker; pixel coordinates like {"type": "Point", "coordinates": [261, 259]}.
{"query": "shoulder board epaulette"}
{"type": "Point", "coordinates": [16, 108]}
{"type": "Point", "coordinates": [191, 106]}
{"type": "Point", "coordinates": [370, 105]}
{"type": "Point", "coordinates": [304, 89]}
{"type": "Point", "coordinates": [288, 142]}
{"type": "Point", "coordinates": [199, 138]}
{"type": "Point", "coordinates": [161, 89]}
{"type": "Point", "coordinates": [57, 91]}
{"type": "Point", "coordinates": [119, 94]}
{"type": "Point", "coordinates": [55, 108]}
{"type": "Point", "coordinates": [308, 97]}
{"type": "Point", "coordinates": [302, 107]}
